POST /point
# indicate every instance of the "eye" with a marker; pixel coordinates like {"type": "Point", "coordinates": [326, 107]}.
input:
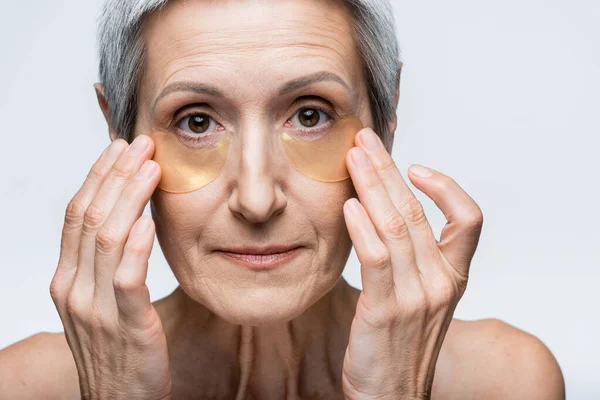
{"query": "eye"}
{"type": "Point", "coordinates": [195, 125]}
{"type": "Point", "coordinates": [310, 117]}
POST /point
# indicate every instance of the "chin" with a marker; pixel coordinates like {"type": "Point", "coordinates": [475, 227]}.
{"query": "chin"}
{"type": "Point", "coordinates": [256, 305]}
{"type": "Point", "coordinates": [251, 297]}
{"type": "Point", "coordinates": [260, 309]}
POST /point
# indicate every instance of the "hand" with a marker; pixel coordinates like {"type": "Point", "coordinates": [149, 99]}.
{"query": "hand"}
{"type": "Point", "coordinates": [99, 289]}
{"type": "Point", "coordinates": [411, 282]}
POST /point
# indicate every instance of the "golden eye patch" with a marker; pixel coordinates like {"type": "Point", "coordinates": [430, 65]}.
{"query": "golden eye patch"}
{"type": "Point", "coordinates": [190, 166]}
{"type": "Point", "coordinates": [323, 159]}
{"type": "Point", "coordinates": [186, 168]}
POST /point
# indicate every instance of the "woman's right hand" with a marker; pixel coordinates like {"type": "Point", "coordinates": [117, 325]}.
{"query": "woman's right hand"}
{"type": "Point", "coordinates": [99, 290]}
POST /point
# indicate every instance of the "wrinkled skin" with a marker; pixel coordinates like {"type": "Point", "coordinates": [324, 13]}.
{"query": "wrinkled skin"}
{"type": "Point", "coordinates": [299, 331]}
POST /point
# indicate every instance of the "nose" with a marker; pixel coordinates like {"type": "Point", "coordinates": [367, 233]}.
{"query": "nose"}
{"type": "Point", "coordinates": [256, 195]}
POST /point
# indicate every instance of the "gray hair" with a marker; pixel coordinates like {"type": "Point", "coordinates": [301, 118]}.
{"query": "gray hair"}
{"type": "Point", "coordinates": [121, 51]}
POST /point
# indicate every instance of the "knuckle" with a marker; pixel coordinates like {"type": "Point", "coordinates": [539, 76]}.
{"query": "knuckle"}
{"type": "Point", "coordinates": [146, 335]}
{"type": "Point", "coordinates": [76, 305]}
{"type": "Point", "coordinates": [96, 174]}
{"type": "Point", "coordinates": [448, 184]}
{"type": "Point", "coordinates": [124, 284]}
{"type": "Point", "coordinates": [107, 240]}
{"type": "Point", "coordinates": [375, 315]}
{"type": "Point", "coordinates": [130, 194]}
{"type": "Point", "coordinates": [98, 320]}
{"type": "Point", "coordinates": [474, 219]}
{"type": "Point", "coordinates": [445, 292]}
{"type": "Point", "coordinates": [395, 226]}
{"type": "Point", "coordinates": [94, 217]}
{"type": "Point", "coordinates": [413, 211]}
{"type": "Point", "coordinates": [122, 171]}
{"type": "Point", "coordinates": [74, 213]}
{"type": "Point", "coordinates": [378, 259]}
{"type": "Point", "coordinates": [371, 183]}
{"type": "Point", "coordinates": [136, 250]}
{"type": "Point", "coordinates": [386, 166]}
{"type": "Point", "coordinates": [56, 291]}
{"type": "Point", "coordinates": [413, 303]}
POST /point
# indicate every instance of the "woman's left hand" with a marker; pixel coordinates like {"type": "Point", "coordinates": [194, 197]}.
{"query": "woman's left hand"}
{"type": "Point", "coordinates": [411, 282]}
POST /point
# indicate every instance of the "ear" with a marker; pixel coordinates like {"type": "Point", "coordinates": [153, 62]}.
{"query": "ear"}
{"type": "Point", "coordinates": [104, 107]}
{"type": "Point", "coordinates": [394, 122]}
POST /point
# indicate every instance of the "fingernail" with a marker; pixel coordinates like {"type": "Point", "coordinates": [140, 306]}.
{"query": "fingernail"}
{"type": "Point", "coordinates": [352, 206]}
{"type": "Point", "coordinates": [360, 158]}
{"type": "Point", "coordinates": [146, 171]}
{"type": "Point", "coordinates": [138, 146]}
{"type": "Point", "coordinates": [369, 139]}
{"type": "Point", "coordinates": [420, 171]}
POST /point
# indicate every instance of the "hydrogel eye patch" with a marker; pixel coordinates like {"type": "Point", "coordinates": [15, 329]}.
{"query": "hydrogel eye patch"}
{"type": "Point", "coordinates": [187, 166]}
{"type": "Point", "coordinates": [323, 159]}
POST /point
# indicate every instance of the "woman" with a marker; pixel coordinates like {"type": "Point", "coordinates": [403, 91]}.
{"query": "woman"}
{"type": "Point", "coordinates": [229, 118]}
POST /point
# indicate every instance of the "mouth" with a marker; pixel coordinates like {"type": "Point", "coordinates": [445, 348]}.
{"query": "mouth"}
{"type": "Point", "coordinates": [260, 257]}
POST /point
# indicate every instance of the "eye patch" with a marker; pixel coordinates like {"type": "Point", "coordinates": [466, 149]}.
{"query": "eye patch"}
{"type": "Point", "coordinates": [190, 165]}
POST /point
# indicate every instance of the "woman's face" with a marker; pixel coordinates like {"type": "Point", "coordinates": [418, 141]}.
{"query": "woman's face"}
{"type": "Point", "coordinates": [249, 51]}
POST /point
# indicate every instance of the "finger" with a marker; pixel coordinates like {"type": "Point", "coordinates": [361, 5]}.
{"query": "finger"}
{"type": "Point", "coordinates": [460, 236]}
{"type": "Point", "coordinates": [131, 292]}
{"type": "Point", "coordinates": [97, 212]}
{"type": "Point", "coordinates": [70, 242]}
{"type": "Point", "coordinates": [421, 234]}
{"type": "Point", "coordinates": [71, 233]}
{"type": "Point", "coordinates": [114, 232]}
{"type": "Point", "coordinates": [375, 268]}
{"type": "Point", "coordinates": [389, 224]}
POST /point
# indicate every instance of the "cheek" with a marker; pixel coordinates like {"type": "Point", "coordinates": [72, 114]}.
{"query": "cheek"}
{"type": "Point", "coordinates": [323, 206]}
{"type": "Point", "coordinates": [180, 219]}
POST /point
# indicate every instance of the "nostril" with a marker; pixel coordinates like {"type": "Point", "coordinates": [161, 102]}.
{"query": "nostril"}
{"type": "Point", "coordinates": [256, 201]}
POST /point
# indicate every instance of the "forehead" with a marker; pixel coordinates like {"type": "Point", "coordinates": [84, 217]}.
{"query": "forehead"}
{"type": "Point", "coordinates": [258, 43]}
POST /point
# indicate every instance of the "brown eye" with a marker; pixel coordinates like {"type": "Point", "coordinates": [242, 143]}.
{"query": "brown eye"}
{"type": "Point", "coordinates": [309, 117]}
{"type": "Point", "coordinates": [198, 123]}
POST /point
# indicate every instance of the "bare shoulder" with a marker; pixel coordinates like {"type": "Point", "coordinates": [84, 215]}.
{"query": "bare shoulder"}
{"type": "Point", "coordinates": [491, 359]}
{"type": "Point", "coordinates": [38, 367]}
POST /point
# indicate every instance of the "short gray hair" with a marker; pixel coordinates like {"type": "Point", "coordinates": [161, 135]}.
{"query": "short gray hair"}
{"type": "Point", "coordinates": [121, 54]}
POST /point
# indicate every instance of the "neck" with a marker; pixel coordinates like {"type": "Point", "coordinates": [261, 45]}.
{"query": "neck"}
{"type": "Point", "coordinates": [292, 359]}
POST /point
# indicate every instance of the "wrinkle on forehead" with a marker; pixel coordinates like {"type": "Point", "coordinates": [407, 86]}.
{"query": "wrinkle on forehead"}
{"type": "Point", "coordinates": [249, 38]}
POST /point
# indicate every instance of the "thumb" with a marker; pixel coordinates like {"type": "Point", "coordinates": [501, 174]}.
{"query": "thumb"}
{"type": "Point", "coordinates": [460, 236]}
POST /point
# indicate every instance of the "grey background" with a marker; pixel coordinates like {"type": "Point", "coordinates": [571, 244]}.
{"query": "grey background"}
{"type": "Point", "coordinates": [502, 96]}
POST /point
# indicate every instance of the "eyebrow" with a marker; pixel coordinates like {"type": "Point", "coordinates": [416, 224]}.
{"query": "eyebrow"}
{"type": "Point", "coordinates": [290, 86]}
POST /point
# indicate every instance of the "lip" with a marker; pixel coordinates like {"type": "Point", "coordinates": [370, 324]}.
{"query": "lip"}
{"type": "Point", "coordinates": [260, 257]}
